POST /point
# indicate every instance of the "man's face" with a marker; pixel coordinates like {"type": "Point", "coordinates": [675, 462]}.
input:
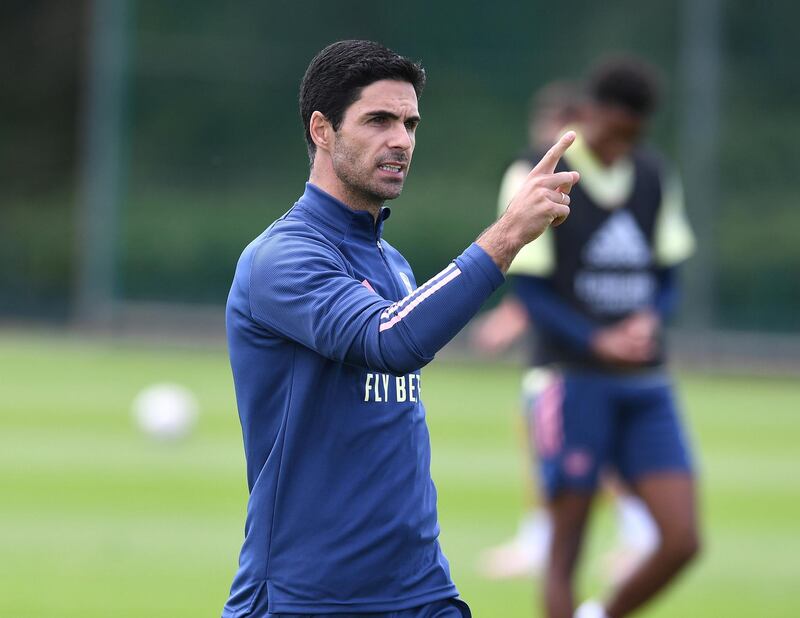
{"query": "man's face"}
{"type": "Point", "coordinates": [611, 131]}
{"type": "Point", "coordinates": [372, 150]}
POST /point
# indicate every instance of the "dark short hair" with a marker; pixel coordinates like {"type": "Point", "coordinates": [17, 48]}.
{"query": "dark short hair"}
{"type": "Point", "coordinates": [336, 76]}
{"type": "Point", "coordinates": [627, 82]}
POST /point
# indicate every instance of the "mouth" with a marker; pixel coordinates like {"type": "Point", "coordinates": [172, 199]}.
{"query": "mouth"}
{"type": "Point", "coordinates": [392, 167]}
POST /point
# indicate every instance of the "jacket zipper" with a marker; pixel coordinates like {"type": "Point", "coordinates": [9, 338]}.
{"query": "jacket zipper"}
{"type": "Point", "coordinates": [398, 290]}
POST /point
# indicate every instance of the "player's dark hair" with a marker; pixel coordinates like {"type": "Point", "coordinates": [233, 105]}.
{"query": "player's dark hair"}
{"type": "Point", "coordinates": [626, 82]}
{"type": "Point", "coordinates": [336, 76]}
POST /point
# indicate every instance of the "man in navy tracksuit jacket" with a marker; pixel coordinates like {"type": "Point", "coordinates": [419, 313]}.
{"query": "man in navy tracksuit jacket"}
{"type": "Point", "coordinates": [327, 332]}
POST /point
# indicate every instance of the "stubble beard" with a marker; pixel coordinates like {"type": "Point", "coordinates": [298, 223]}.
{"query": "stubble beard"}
{"type": "Point", "coordinates": [365, 191]}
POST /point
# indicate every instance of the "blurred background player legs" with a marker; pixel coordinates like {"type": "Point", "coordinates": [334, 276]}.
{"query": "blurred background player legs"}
{"type": "Point", "coordinates": [553, 107]}
{"type": "Point", "coordinates": [651, 456]}
{"type": "Point", "coordinates": [637, 532]}
{"type": "Point", "coordinates": [671, 499]}
{"type": "Point", "coordinates": [524, 554]}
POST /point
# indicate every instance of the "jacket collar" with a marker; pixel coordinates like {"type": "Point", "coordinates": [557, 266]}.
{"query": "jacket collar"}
{"type": "Point", "coordinates": [339, 217]}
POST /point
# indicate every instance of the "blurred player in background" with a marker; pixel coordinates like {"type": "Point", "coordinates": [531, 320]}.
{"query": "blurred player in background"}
{"type": "Point", "coordinates": [598, 291]}
{"type": "Point", "coordinates": [553, 107]}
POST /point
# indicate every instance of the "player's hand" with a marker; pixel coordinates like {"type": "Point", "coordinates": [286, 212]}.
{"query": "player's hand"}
{"type": "Point", "coordinates": [543, 198]}
{"type": "Point", "coordinates": [498, 328]}
{"type": "Point", "coordinates": [643, 325]}
{"type": "Point", "coordinates": [542, 201]}
{"type": "Point", "coordinates": [616, 345]}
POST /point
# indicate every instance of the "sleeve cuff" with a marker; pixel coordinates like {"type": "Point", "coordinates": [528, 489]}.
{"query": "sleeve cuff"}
{"type": "Point", "coordinates": [476, 259]}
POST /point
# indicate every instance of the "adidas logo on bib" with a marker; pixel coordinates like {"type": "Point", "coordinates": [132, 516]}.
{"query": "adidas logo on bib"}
{"type": "Point", "coordinates": [619, 242]}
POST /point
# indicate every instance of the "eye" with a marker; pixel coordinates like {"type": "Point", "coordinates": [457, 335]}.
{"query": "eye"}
{"type": "Point", "coordinates": [378, 120]}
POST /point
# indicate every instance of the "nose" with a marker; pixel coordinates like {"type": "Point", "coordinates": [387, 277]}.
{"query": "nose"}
{"type": "Point", "coordinates": [400, 137]}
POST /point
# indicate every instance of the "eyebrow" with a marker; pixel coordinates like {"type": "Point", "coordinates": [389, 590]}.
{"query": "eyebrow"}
{"type": "Point", "coordinates": [392, 115]}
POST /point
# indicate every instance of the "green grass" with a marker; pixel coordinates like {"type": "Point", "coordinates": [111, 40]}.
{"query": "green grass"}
{"type": "Point", "coordinates": [96, 520]}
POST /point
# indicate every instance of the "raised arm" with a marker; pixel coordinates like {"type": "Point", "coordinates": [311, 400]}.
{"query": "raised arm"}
{"type": "Point", "coordinates": [300, 288]}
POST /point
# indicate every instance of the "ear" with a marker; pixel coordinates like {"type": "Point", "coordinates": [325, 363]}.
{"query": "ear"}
{"type": "Point", "coordinates": [321, 131]}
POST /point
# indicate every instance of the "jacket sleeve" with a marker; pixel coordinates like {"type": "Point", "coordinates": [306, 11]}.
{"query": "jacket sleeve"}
{"type": "Point", "coordinates": [300, 289]}
{"type": "Point", "coordinates": [667, 295]}
{"type": "Point", "coordinates": [553, 314]}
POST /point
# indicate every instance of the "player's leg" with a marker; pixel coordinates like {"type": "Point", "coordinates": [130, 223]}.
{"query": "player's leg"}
{"type": "Point", "coordinates": [569, 512]}
{"type": "Point", "coordinates": [671, 500]}
{"type": "Point", "coordinates": [536, 526]}
{"type": "Point", "coordinates": [573, 432]}
{"type": "Point", "coordinates": [525, 554]}
{"type": "Point", "coordinates": [654, 458]}
{"type": "Point", "coordinates": [637, 533]}
{"type": "Point", "coordinates": [637, 530]}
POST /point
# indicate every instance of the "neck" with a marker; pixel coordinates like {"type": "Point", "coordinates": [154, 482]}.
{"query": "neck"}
{"type": "Point", "coordinates": [597, 150]}
{"type": "Point", "coordinates": [349, 196]}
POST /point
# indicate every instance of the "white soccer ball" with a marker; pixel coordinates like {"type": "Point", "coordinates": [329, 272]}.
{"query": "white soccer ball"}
{"type": "Point", "coordinates": [165, 411]}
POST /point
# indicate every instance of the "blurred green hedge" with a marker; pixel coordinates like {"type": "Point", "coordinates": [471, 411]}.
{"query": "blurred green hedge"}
{"type": "Point", "coordinates": [215, 147]}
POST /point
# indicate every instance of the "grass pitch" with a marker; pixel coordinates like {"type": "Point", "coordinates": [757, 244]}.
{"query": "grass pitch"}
{"type": "Point", "coordinates": [96, 520]}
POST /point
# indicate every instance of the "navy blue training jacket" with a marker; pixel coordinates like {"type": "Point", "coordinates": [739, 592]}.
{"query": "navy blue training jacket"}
{"type": "Point", "coordinates": [327, 332]}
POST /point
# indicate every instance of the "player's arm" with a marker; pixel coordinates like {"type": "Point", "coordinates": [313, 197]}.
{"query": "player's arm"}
{"type": "Point", "coordinates": [453, 296]}
{"type": "Point", "coordinates": [497, 329]}
{"type": "Point", "coordinates": [300, 289]}
{"type": "Point", "coordinates": [631, 341]}
{"type": "Point", "coordinates": [553, 314]}
{"type": "Point", "coordinates": [667, 295]}
{"type": "Point", "coordinates": [673, 244]}
{"type": "Point", "coordinates": [636, 339]}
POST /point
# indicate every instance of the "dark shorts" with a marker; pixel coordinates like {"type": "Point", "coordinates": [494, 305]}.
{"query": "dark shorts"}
{"type": "Point", "coordinates": [582, 423]}
{"type": "Point", "coordinates": [447, 608]}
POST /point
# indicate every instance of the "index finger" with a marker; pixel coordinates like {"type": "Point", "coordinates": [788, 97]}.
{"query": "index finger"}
{"type": "Point", "coordinates": [550, 159]}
